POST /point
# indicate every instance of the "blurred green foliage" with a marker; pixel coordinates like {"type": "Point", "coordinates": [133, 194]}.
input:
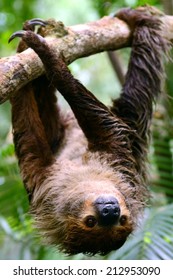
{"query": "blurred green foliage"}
{"type": "Point", "coordinates": [12, 15]}
{"type": "Point", "coordinates": [18, 240]}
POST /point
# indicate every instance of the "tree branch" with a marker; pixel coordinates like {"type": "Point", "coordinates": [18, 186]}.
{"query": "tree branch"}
{"type": "Point", "coordinates": [117, 66]}
{"type": "Point", "coordinates": [108, 33]}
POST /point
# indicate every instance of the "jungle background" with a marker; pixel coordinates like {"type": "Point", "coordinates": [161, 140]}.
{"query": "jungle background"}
{"type": "Point", "coordinates": [103, 74]}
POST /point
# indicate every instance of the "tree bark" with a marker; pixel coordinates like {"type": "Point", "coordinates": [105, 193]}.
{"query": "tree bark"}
{"type": "Point", "coordinates": [106, 34]}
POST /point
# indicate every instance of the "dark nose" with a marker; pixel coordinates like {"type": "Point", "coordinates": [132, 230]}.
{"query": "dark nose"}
{"type": "Point", "coordinates": [108, 210]}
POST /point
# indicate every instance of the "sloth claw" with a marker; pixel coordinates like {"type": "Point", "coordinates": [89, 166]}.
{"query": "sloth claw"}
{"type": "Point", "coordinates": [36, 21]}
{"type": "Point", "coordinates": [19, 33]}
{"type": "Point", "coordinates": [27, 26]}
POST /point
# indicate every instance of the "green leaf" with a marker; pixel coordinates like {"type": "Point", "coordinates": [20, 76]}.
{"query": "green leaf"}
{"type": "Point", "coordinates": [150, 242]}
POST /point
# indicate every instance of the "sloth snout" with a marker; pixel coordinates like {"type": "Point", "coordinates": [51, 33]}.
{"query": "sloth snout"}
{"type": "Point", "coordinates": [108, 210]}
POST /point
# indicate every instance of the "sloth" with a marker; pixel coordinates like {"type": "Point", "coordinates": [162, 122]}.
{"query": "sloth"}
{"type": "Point", "coordinates": [85, 170]}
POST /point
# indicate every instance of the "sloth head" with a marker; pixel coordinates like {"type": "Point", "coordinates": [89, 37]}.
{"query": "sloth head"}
{"type": "Point", "coordinates": [89, 216]}
{"type": "Point", "coordinates": [101, 223]}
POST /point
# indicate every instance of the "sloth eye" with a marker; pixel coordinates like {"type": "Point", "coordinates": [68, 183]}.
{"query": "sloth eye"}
{"type": "Point", "coordinates": [123, 220]}
{"type": "Point", "coordinates": [90, 221]}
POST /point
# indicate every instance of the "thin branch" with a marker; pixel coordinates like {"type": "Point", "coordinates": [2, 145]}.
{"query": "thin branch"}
{"type": "Point", "coordinates": [117, 66]}
{"type": "Point", "coordinates": [106, 34]}
{"type": "Point", "coordinates": [168, 6]}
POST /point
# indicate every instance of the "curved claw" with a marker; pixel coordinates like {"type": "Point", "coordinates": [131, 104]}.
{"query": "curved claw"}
{"type": "Point", "coordinates": [37, 21]}
{"type": "Point", "coordinates": [32, 22]}
{"type": "Point", "coordinates": [19, 33]}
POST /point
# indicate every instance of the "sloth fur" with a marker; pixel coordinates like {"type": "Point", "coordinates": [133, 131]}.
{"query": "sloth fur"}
{"type": "Point", "coordinates": [85, 171]}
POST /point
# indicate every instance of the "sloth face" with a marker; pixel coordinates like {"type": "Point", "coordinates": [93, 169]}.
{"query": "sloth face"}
{"type": "Point", "coordinates": [94, 219]}
{"type": "Point", "coordinates": [102, 224]}
{"type": "Point", "coordinates": [89, 216]}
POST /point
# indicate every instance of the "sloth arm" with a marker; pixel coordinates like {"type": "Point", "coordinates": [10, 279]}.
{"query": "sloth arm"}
{"type": "Point", "coordinates": [98, 123]}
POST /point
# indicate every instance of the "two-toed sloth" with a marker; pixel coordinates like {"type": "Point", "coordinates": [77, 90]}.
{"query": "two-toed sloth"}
{"type": "Point", "coordinates": [85, 171]}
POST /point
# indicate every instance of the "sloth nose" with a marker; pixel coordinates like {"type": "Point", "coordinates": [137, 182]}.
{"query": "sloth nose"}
{"type": "Point", "coordinates": [108, 210]}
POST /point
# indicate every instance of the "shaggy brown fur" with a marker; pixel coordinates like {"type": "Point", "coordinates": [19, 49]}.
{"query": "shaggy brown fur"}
{"type": "Point", "coordinates": [85, 173]}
